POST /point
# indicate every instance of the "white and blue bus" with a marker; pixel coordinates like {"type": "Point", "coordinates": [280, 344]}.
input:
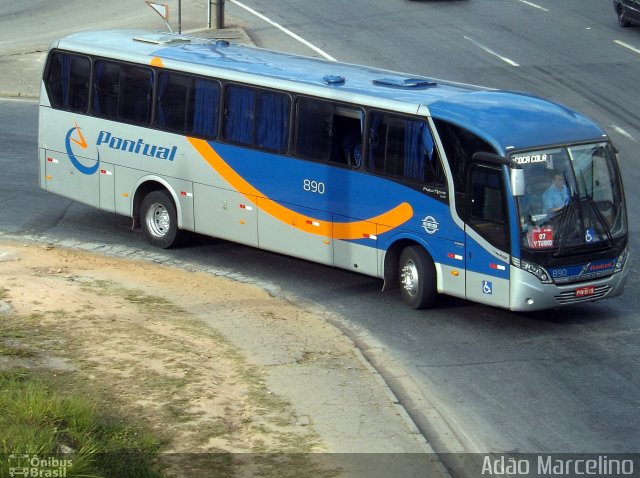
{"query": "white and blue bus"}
{"type": "Point", "coordinates": [435, 187]}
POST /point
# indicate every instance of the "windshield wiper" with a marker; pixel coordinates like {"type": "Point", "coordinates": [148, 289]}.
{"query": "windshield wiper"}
{"type": "Point", "coordinates": [571, 215]}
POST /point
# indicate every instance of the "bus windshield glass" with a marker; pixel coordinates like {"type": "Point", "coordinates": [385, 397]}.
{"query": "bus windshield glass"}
{"type": "Point", "coordinates": [573, 198]}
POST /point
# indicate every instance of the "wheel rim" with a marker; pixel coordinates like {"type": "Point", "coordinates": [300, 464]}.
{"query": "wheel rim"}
{"type": "Point", "coordinates": [158, 220]}
{"type": "Point", "coordinates": [409, 278]}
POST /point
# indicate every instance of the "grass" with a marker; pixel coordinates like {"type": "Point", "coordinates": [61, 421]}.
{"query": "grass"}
{"type": "Point", "coordinates": [40, 417]}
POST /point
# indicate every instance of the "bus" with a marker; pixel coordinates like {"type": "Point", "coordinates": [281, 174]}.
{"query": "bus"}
{"type": "Point", "coordinates": [434, 187]}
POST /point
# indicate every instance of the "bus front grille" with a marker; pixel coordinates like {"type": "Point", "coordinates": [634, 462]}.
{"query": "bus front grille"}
{"type": "Point", "coordinates": [569, 297]}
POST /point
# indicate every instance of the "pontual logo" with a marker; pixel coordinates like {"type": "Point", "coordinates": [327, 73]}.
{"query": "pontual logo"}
{"type": "Point", "coordinates": [136, 146]}
{"type": "Point", "coordinates": [75, 139]}
{"type": "Point", "coordinates": [80, 142]}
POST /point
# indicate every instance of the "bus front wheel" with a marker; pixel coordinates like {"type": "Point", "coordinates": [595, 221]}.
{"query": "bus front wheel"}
{"type": "Point", "coordinates": [159, 220]}
{"type": "Point", "coordinates": [417, 276]}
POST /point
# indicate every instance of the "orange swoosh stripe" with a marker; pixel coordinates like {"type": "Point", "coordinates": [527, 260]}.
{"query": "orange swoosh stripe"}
{"type": "Point", "coordinates": [337, 230]}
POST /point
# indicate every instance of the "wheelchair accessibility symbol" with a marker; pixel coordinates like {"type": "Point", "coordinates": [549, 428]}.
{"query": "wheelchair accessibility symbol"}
{"type": "Point", "coordinates": [487, 287]}
{"type": "Point", "coordinates": [590, 235]}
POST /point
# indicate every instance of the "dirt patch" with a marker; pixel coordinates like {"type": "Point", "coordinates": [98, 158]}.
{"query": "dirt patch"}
{"type": "Point", "coordinates": [137, 332]}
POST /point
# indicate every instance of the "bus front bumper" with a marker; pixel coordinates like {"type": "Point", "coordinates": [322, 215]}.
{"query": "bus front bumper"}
{"type": "Point", "coordinates": [527, 293]}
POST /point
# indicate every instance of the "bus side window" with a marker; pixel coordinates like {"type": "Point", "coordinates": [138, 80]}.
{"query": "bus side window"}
{"type": "Point", "coordinates": [403, 147]}
{"type": "Point", "coordinates": [328, 132]}
{"type": "Point", "coordinates": [313, 129]}
{"type": "Point", "coordinates": [487, 208]}
{"type": "Point", "coordinates": [122, 92]}
{"type": "Point", "coordinates": [136, 90]}
{"type": "Point", "coordinates": [256, 117]}
{"type": "Point", "coordinates": [173, 91]}
{"type": "Point", "coordinates": [459, 146]}
{"type": "Point", "coordinates": [67, 81]}
{"type": "Point", "coordinates": [187, 104]}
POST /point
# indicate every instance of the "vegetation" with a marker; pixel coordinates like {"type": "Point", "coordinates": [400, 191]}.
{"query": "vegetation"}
{"type": "Point", "coordinates": [40, 418]}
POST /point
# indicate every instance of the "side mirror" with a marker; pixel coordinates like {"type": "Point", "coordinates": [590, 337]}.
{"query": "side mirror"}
{"type": "Point", "coordinates": [517, 181]}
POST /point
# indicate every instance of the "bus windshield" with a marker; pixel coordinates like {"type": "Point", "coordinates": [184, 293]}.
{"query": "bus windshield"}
{"type": "Point", "coordinates": [573, 198]}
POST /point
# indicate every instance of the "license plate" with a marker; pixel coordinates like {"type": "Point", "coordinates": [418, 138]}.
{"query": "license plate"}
{"type": "Point", "coordinates": [585, 291]}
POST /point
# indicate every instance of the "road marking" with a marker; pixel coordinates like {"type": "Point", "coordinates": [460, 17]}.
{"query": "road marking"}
{"type": "Point", "coordinates": [626, 45]}
{"type": "Point", "coordinates": [285, 30]}
{"type": "Point", "coordinates": [490, 51]}
{"type": "Point", "coordinates": [622, 132]}
{"type": "Point", "coordinates": [534, 5]}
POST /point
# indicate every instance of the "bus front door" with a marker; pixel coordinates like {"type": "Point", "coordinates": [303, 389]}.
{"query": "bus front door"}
{"type": "Point", "coordinates": [487, 237]}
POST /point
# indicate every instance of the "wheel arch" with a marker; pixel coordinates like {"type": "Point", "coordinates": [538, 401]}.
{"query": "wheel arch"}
{"type": "Point", "coordinates": [392, 259]}
{"type": "Point", "coordinates": [144, 187]}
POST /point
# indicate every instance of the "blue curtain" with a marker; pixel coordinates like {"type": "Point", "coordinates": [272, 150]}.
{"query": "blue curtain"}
{"type": "Point", "coordinates": [240, 115]}
{"type": "Point", "coordinates": [272, 121]}
{"type": "Point", "coordinates": [205, 108]}
{"type": "Point", "coordinates": [415, 148]}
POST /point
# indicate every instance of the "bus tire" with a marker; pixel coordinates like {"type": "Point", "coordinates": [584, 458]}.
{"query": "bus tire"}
{"type": "Point", "coordinates": [159, 220]}
{"type": "Point", "coordinates": [417, 275]}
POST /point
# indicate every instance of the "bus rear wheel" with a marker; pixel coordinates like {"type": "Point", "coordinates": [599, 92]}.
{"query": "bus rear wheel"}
{"type": "Point", "coordinates": [417, 276]}
{"type": "Point", "coordinates": [159, 220]}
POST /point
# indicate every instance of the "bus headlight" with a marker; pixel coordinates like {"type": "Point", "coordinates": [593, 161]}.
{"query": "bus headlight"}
{"type": "Point", "coordinates": [622, 259]}
{"type": "Point", "coordinates": [538, 271]}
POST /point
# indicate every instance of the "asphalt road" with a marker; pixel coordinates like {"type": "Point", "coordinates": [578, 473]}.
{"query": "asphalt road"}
{"type": "Point", "coordinates": [471, 376]}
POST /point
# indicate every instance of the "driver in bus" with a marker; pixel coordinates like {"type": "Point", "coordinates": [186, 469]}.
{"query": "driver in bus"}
{"type": "Point", "coordinates": [557, 195]}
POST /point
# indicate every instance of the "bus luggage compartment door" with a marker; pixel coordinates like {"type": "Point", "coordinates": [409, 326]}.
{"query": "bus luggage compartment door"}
{"type": "Point", "coordinates": [64, 178]}
{"type": "Point", "coordinates": [225, 214]}
{"type": "Point", "coordinates": [295, 231]}
{"type": "Point", "coordinates": [355, 245]}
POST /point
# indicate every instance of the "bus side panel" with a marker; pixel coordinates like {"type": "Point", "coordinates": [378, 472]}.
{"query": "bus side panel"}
{"type": "Point", "coordinates": [126, 180]}
{"type": "Point", "coordinates": [43, 168]}
{"type": "Point", "coordinates": [225, 214]}
{"type": "Point", "coordinates": [304, 233]}
{"type": "Point", "coordinates": [451, 280]}
{"type": "Point", "coordinates": [356, 256]}
{"type": "Point", "coordinates": [107, 187]}
{"type": "Point", "coordinates": [70, 168]}
{"type": "Point", "coordinates": [64, 179]}
{"type": "Point", "coordinates": [487, 277]}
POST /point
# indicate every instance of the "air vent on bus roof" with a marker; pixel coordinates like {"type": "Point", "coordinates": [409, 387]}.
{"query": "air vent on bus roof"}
{"type": "Point", "coordinates": [162, 39]}
{"type": "Point", "coordinates": [404, 82]}
{"type": "Point", "coordinates": [333, 79]}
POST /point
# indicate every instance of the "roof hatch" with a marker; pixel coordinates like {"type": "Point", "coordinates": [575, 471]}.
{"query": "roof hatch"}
{"type": "Point", "coordinates": [162, 39]}
{"type": "Point", "coordinates": [410, 83]}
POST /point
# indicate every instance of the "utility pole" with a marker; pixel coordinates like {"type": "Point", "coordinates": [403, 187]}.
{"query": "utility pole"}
{"type": "Point", "coordinates": [219, 11]}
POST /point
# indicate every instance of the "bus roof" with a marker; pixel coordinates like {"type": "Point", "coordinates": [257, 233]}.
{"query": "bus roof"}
{"type": "Point", "coordinates": [507, 120]}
